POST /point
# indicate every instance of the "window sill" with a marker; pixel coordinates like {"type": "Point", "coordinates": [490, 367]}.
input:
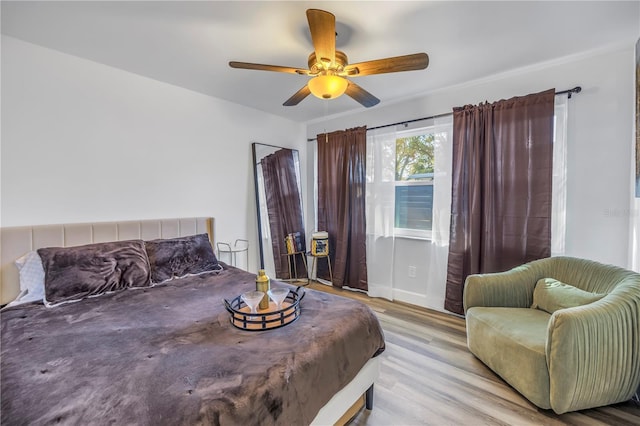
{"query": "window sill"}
{"type": "Point", "coordinates": [413, 237]}
{"type": "Point", "coordinates": [406, 237]}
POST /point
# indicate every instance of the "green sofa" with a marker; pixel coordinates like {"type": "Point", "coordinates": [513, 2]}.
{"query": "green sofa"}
{"type": "Point", "coordinates": [575, 345]}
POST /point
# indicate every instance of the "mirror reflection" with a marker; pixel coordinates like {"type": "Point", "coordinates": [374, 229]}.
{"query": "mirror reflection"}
{"type": "Point", "coordinates": [281, 233]}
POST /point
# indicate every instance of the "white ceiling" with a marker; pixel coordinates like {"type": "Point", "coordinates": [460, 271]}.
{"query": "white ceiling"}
{"type": "Point", "coordinates": [189, 44]}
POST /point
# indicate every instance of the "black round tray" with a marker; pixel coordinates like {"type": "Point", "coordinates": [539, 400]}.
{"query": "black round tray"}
{"type": "Point", "coordinates": [265, 319]}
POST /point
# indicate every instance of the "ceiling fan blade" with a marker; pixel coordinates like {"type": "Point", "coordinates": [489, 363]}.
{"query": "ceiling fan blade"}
{"type": "Point", "coordinates": [362, 96]}
{"type": "Point", "coordinates": [298, 96]}
{"type": "Point", "coordinates": [417, 61]}
{"type": "Point", "coordinates": [262, 67]}
{"type": "Point", "coordinates": [323, 34]}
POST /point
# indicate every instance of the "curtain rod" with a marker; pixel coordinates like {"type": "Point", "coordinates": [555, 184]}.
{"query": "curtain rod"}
{"type": "Point", "coordinates": [569, 92]}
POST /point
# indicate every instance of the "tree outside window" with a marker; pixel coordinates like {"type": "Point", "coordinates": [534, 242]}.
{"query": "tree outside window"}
{"type": "Point", "coordinates": [414, 185]}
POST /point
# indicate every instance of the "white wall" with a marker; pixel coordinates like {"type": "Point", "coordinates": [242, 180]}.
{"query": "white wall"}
{"type": "Point", "coordinates": [634, 204]}
{"type": "Point", "coordinates": [599, 144]}
{"type": "Point", "coordinates": [85, 142]}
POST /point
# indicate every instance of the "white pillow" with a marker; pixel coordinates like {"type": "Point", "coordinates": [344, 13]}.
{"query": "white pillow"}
{"type": "Point", "coordinates": [31, 278]}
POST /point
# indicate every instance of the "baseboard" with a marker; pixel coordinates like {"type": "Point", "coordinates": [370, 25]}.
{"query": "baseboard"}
{"type": "Point", "coordinates": [380, 291]}
{"type": "Point", "coordinates": [410, 297]}
{"type": "Point", "coordinates": [419, 299]}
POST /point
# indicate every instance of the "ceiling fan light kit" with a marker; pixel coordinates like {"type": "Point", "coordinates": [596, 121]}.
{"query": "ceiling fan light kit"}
{"type": "Point", "coordinates": [328, 86]}
{"type": "Point", "coordinates": [329, 68]}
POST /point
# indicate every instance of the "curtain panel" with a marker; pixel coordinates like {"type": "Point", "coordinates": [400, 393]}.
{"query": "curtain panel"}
{"type": "Point", "coordinates": [341, 205]}
{"type": "Point", "coordinates": [382, 264]}
{"type": "Point", "coordinates": [559, 184]}
{"type": "Point", "coordinates": [283, 206]}
{"type": "Point", "coordinates": [380, 201]}
{"type": "Point", "coordinates": [502, 187]}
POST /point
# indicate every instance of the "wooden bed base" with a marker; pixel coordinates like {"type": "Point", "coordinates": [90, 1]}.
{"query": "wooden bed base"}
{"type": "Point", "coordinates": [340, 408]}
{"type": "Point", "coordinates": [365, 401]}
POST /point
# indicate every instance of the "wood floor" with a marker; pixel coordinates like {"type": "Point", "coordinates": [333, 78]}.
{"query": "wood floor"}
{"type": "Point", "coordinates": [429, 377]}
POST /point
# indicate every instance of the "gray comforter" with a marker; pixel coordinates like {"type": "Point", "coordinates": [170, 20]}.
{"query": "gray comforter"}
{"type": "Point", "coordinates": [169, 355]}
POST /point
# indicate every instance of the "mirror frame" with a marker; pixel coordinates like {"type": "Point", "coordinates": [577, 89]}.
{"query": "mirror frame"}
{"type": "Point", "coordinates": [260, 224]}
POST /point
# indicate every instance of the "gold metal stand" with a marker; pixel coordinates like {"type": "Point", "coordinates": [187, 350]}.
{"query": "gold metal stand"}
{"type": "Point", "coordinates": [291, 258]}
{"type": "Point", "coordinates": [313, 265]}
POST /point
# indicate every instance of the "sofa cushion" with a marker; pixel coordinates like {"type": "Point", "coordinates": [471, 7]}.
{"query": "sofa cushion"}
{"type": "Point", "coordinates": [551, 295]}
{"type": "Point", "coordinates": [511, 341]}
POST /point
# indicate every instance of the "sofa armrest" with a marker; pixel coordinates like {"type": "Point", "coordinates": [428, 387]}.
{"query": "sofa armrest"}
{"type": "Point", "coordinates": [513, 288]}
{"type": "Point", "coordinates": [593, 354]}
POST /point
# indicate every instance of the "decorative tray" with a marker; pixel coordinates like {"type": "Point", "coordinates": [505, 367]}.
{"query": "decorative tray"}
{"type": "Point", "coordinates": [265, 319]}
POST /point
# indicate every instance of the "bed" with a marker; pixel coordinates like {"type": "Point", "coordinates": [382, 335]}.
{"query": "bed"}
{"type": "Point", "coordinates": [167, 353]}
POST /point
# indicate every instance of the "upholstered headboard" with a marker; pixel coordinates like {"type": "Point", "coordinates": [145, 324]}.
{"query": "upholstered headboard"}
{"type": "Point", "coordinates": [16, 241]}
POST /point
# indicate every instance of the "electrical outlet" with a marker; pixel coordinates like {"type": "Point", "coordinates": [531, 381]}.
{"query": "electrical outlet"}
{"type": "Point", "coordinates": [412, 271]}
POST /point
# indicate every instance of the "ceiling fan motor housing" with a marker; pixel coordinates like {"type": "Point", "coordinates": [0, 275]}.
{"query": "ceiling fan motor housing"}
{"type": "Point", "coordinates": [317, 67]}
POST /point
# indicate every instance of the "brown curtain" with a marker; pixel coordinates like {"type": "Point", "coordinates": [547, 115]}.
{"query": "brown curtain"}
{"type": "Point", "coordinates": [283, 207]}
{"type": "Point", "coordinates": [341, 205]}
{"type": "Point", "coordinates": [501, 192]}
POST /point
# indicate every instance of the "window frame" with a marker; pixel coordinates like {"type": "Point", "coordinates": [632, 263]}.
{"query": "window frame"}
{"type": "Point", "coordinates": [412, 233]}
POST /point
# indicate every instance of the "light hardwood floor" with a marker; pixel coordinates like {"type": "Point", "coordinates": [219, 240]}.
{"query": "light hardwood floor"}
{"type": "Point", "coordinates": [429, 377]}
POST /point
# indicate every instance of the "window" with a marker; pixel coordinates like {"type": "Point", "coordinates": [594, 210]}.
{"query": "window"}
{"type": "Point", "coordinates": [409, 181]}
{"type": "Point", "coordinates": [414, 171]}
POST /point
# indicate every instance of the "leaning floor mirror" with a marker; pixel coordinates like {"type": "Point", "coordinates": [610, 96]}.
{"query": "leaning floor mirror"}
{"type": "Point", "coordinates": [281, 233]}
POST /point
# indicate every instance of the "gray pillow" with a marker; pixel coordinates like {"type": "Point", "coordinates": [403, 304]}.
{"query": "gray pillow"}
{"type": "Point", "coordinates": [73, 273]}
{"type": "Point", "coordinates": [177, 257]}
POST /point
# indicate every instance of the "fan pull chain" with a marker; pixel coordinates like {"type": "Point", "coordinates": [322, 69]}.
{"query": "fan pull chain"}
{"type": "Point", "coordinates": [326, 114]}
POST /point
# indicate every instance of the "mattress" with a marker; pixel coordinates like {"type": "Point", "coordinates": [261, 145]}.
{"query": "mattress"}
{"type": "Point", "coordinates": [168, 354]}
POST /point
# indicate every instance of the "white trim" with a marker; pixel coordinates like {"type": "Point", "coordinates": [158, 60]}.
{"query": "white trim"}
{"type": "Point", "coordinates": [419, 299]}
{"type": "Point", "coordinates": [379, 290]}
{"type": "Point", "coordinates": [410, 297]}
{"type": "Point", "coordinates": [411, 233]}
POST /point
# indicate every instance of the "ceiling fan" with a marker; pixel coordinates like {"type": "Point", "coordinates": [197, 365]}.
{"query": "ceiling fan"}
{"type": "Point", "coordinates": [329, 67]}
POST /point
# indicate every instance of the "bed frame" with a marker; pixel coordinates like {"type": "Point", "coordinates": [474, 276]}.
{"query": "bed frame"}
{"type": "Point", "coordinates": [16, 241]}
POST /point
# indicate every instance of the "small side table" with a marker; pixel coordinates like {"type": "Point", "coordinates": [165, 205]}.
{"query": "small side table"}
{"type": "Point", "coordinates": [239, 246]}
{"type": "Point", "coordinates": [291, 258]}
{"type": "Point", "coordinates": [313, 264]}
